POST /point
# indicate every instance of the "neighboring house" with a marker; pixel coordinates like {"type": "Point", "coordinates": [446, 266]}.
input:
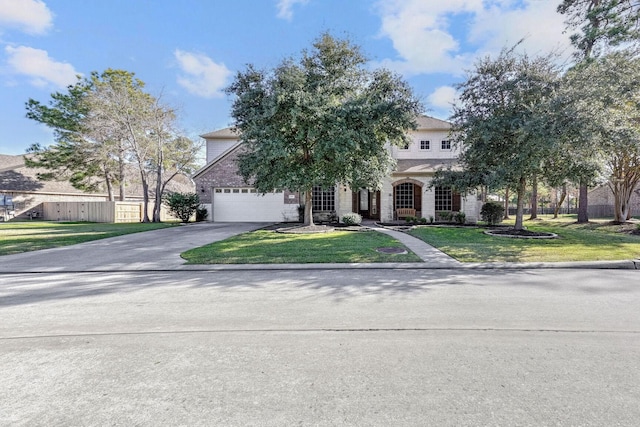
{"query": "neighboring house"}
{"type": "Point", "coordinates": [228, 198]}
{"type": "Point", "coordinates": [601, 202]}
{"type": "Point", "coordinates": [27, 194]}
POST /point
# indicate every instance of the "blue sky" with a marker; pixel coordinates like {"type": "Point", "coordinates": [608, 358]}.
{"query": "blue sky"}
{"type": "Point", "coordinates": [189, 50]}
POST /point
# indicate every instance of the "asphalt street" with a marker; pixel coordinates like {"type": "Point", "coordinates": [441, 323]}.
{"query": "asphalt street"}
{"type": "Point", "coordinates": [380, 347]}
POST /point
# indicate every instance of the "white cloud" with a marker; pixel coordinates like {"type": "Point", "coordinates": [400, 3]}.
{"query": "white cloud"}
{"type": "Point", "coordinates": [203, 77]}
{"type": "Point", "coordinates": [30, 16]}
{"type": "Point", "coordinates": [285, 8]}
{"type": "Point", "coordinates": [424, 36]}
{"type": "Point", "coordinates": [537, 23]}
{"type": "Point", "coordinates": [43, 70]}
{"type": "Point", "coordinates": [443, 97]}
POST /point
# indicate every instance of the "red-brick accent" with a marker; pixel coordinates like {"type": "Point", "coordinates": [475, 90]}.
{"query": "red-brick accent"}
{"type": "Point", "coordinates": [224, 173]}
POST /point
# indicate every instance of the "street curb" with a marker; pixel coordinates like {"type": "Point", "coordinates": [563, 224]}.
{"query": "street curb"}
{"type": "Point", "coordinates": [587, 265]}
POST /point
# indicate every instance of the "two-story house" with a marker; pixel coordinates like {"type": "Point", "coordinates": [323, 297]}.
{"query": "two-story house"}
{"type": "Point", "coordinates": [228, 198]}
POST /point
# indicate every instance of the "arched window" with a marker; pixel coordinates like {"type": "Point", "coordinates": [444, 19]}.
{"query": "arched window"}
{"type": "Point", "coordinates": [404, 195]}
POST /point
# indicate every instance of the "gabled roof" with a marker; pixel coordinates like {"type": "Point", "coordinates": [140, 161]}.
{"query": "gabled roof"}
{"type": "Point", "coordinates": [216, 160]}
{"type": "Point", "coordinates": [9, 162]}
{"type": "Point", "coordinates": [225, 133]}
{"type": "Point", "coordinates": [15, 176]}
{"type": "Point", "coordinates": [431, 123]}
{"type": "Point", "coordinates": [424, 122]}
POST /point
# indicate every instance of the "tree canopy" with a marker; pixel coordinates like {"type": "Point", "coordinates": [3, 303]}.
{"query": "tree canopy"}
{"type": "Point", "coordinates": [497, 124]}
{"type": "Point", "coordinates": [321, 120]}
{"type": "Point", "coordinates": [601, 23]}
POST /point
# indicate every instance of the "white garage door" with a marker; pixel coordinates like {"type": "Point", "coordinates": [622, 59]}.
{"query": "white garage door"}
{"type": "Point", "coordinates": [245, 205]}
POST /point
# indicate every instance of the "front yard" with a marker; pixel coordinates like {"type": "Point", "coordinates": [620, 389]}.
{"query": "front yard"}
{"type": "Point", "coordinates": [596, 241]}
{"type": "Point", "coordinates": [269, 247]}
{"type": "Point", "coordinates": [17, 237]}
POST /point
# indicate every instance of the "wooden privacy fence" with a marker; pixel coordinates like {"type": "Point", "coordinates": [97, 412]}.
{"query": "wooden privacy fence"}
{"type": "Point", "coordinates": [100, 211]}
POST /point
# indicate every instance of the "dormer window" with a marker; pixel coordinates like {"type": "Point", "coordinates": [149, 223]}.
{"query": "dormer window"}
{"type": "Point", "coordinates": [446, 145]}
{"type": "Point", "coordinates": [425, 145]}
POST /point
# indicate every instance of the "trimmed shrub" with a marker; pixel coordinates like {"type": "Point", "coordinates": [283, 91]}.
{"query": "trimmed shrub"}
{"type": "Point", "coordinates": [352, 218]}
{"type": "Point", "coordinates": [423, 220]}
{"type": "Point", "coordinates": [411, 219]}
{"type": "Point", "coordinates": [492, 213]}
{"type": "Point", "coordinates": [182, 205]}
{"type": "Point", "coordinates": [460, 217]}
{"type": "Point", "coordinates": [201, 213]}
{"type": "Point", "coordinates": [443, 215]}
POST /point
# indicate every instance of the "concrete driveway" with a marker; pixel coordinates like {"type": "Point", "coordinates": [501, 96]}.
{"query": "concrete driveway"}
{"type": "Point", "coordinates": [151, 250]}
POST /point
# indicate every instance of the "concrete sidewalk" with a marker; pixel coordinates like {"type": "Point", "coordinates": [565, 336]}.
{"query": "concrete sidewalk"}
{"type": "Point", "coordinates": [427, 253]}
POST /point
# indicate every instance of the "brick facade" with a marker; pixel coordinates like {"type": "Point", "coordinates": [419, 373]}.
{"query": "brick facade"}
{"type": "Point", "coordinates": [223, 173]}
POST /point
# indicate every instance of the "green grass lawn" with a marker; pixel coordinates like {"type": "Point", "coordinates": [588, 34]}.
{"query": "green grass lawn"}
{"type": "Point", "coordinates": [596, 241]}
{"type": "Point", "coordinates": [268, 247]}
{"type": "Point", "coordinates": [17, 237]}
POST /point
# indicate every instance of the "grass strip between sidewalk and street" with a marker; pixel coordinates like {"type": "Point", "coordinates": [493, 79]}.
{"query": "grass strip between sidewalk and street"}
{"type": "Point", "coordinates": [595, 241]}
{"type": "Point", "coordinates": [17, 237]}
{"type": "Point", "coordinates": [269, 247]}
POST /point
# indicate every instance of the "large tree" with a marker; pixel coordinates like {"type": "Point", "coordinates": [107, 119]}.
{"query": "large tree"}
{"type": "Point", "coordinates": [321, 120]}
{"type": "Point", "coordinates": [107, 124]}
{"type": "Point", "coordinates": [143, 129]}
{"type": "Point", "coordinates": [608, 98]}
{"type": "Point", "coordinates": [601, 24]}
{"type": "Point", "coordinates": [119, 111]}
{"type": "Point", "coordinates": [74, 156]}
{"type": "Point", "coordinates": [497, 124]}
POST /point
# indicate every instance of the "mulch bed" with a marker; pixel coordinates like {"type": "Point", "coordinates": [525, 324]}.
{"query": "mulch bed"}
{"type": "Point", "coordinates": [309, 229]}
{"type": "Point", "coordinates": [522, 234]}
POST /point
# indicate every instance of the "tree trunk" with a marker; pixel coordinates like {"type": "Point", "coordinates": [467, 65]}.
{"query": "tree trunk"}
{"type": "Point", "coordinates": [158, 203]}
{"type": "Point", "coordinates": [522, 187]}
{"type": "Point", "coordinates": [308, 211]}
{"type": "Point", "coordinates": [121, 173]}
{"type": "Point", "coordinates": [506, 203]}
{"type": "Point", "coordinates": [563, 195]}
{"type": "Point", "coordinates": [534, 199]}
{"type": "Point", "coordinates": [622, 192]}
{"type": "Point", "coordinates": [583, 204]}
{"type": "Point", "coordinates": [145, 199]}
{"type": "Point", "coordinates": [158, 196]}
{"type": "Point", "coordinates": [107, 181]}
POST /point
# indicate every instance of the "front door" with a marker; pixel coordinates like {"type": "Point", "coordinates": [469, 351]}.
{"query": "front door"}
{"type": "Point", "coordinates": [366, 203]}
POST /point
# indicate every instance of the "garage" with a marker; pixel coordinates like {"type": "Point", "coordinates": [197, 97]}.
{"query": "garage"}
{"type": "Point", "coordinates": [246, 205]}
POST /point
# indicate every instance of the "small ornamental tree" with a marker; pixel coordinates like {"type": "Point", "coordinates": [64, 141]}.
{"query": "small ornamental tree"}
{"type": "Point", "coordinates": [182, 205]}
